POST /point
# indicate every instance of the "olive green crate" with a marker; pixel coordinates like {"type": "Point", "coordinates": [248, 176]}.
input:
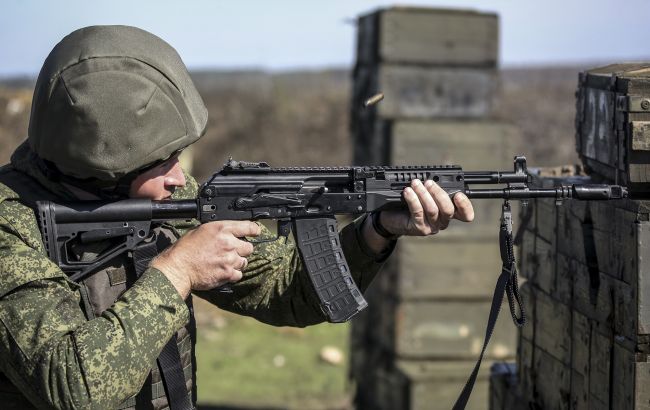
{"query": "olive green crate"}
{"type": "Point", "coordinates": [613, 123]}
{"type": "Point", "coordinates": [437, 384]}
{"type": "Point", "coordinates": [418, 92]}
{"type": "Point", "coordinates": [428, 36]}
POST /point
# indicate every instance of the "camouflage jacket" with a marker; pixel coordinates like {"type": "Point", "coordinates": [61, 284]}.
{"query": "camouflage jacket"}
{"type": "Point", "coordinates": [54, 357]}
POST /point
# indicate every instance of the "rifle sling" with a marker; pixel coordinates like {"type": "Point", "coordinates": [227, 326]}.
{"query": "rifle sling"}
{"type": "Point", "coordinates": [507, 283]}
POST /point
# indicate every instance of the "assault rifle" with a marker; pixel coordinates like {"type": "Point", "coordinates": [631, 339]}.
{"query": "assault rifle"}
{"type": "Point", "coordinates": [302, 199]}
{"type": "Point", "coordinates": [305, 200]}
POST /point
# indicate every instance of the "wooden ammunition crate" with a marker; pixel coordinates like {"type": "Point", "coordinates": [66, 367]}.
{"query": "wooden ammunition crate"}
{"type": "Point", "coordinates": [427, 92]}
{"type": "Point", "coordinates": [597, 261]}
{"type": "Point", "coordinates": [437, 71]}
{"type": "Point", "coordinates": [602, 370]}
{"type": "Point", "coordinates": [423, 385]}
{"type": "Point", "coordinates": [444, 142]}
{"type": "Point", "coordinates": [587, 341]}
{"type": "Point", "coordinates": [464, 143]}
{"type": "Point", "coordinates": [426, 36]}
{"type": "Point", "coordinates": [613, 123]}
{"type": "Point", "coordinates": [435, 269]}
{"type": "Point", "coordinates": [444, 329]}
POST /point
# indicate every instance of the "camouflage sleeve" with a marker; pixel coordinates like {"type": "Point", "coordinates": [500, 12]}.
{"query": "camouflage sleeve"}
{"type": "Point", "coordinates": [276, 289]}
{"type": "Point", "coordinates": [48, 349]}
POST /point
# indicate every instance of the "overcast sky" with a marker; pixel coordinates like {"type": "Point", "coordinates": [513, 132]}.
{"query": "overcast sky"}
{"type": "Point", "coordinates": [295, 34]}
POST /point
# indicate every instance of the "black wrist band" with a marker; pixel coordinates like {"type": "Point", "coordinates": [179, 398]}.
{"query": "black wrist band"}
{"type": "Point", "coordinates": [379, 228]}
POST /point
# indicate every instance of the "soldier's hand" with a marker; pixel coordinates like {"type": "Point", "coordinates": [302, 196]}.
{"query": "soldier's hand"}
{"type": "Point", "coordinates": [430, 209]}
{"type": "Point", "coordinates": [207, 257]}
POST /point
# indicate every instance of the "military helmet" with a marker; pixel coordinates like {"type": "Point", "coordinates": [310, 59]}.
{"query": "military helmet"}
{"type": "Point", "coordinates": [112, 100]}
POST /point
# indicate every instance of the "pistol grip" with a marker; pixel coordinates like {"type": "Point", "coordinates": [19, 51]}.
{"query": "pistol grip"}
{"type": "Point", "coordinates": [319, 245]}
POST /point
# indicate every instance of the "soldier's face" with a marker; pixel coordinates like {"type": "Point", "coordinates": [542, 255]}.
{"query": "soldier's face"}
{"type": "Point", "coordinates": [158, 182]}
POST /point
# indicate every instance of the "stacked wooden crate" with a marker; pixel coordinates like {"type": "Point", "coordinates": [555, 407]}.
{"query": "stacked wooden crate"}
{"type": "Point", "coordinates": [417, 342]}
{"type": "Point", "coordinates": [613, 123]}
{"type": "Point", "coordinates": [587, 294]}
{"type": "Point", "coordinates": [587, 344]}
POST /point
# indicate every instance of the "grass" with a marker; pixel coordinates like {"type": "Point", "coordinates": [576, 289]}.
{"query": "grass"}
{"type": "Point", "coordinates": [244, 363]}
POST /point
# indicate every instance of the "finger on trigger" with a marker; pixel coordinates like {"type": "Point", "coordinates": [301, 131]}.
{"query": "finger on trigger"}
{"type": "Point", "coordinates": [464, 208]}
{"type": "Point", "coordinates": [245, 228]}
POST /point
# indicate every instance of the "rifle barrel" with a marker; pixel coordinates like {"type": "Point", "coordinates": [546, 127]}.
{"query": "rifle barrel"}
{"type": "Point", "coordinates": [588, 192]}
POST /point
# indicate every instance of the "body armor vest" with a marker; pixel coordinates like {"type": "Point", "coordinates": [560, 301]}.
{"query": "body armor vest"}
{"type": "Point", "coordinates": [101, 289]}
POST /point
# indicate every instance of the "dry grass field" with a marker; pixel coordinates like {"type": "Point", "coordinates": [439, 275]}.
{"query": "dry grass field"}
{"type": "Point", "coordinates": [302, 118]}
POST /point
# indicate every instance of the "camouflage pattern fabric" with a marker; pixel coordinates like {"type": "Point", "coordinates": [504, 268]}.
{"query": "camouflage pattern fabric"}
{"type": "Point", "coordinates": [54, 357]}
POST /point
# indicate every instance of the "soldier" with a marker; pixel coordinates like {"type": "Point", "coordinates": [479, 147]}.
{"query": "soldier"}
{"type": "Point", "coordinates": [112, 108]}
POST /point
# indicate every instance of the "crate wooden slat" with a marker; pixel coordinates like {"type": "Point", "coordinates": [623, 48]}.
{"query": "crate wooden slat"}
{"type": "Point", "coordinates": [451, 329]}
{"type": "Point", "coordinates": [409, 35]}
{"type": "Point", "coordinates": [437, 384]}
{"type": "Point", "coordinates": [430, 269]}
{"type": "Point", "coordinates": [424, 92]}
{"type": "Point", "coordinates": [463, 143]}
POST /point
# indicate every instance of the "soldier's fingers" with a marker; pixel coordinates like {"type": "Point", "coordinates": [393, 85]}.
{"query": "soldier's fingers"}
{"type": "Point", "coordinates": [444, 203]}
{"type": "Point", "coordinates": [464, 208]}
{"type": "Point", "coordinates": [231, 259]}
{"type": "Point", "coordinates": [243, 228]}
{"type": "Point", "coordinates": [428, 204]}
{"type": "Point", "coordinates": [235, 275]}
{"type": "Point", "coordinates": [415, 207]}
{"type": "Point", "coordinates": [244, 248]}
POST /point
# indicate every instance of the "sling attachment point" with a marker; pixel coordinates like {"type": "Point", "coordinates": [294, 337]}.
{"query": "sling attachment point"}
{"type": "Point", "coordinates": [507, 283]}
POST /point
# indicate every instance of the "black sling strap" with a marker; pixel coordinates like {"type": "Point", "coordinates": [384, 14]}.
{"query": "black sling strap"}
{"type": "Point", "coordinates": [169, 361]}
{"type": "Point", "coordinates": [507, 283]}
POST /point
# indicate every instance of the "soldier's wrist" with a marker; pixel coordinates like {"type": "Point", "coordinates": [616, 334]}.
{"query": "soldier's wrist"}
{"type": "Point", "coordinates": [378, 226]}
{"type": "Point", "coordinates": [180, 282]}
{"type": "Point", "coordinates": [374, 242]}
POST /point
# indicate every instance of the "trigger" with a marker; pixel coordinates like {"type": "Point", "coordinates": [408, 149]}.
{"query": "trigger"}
{"type": "Point", "coordinates": [284, 227]}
